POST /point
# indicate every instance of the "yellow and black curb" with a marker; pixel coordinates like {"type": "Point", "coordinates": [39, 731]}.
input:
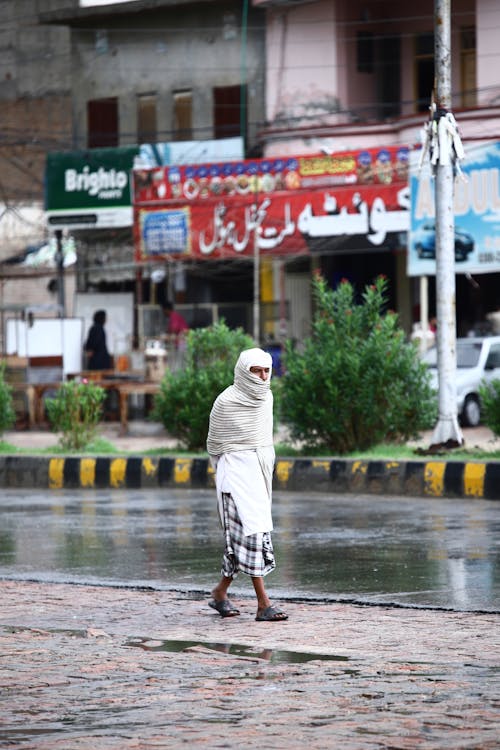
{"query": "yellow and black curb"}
{"type": "Point", "coordinates": [417, 478]}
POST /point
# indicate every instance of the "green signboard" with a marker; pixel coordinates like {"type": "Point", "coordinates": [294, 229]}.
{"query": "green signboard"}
{"type": "Point", "coordinates": [89, 188]}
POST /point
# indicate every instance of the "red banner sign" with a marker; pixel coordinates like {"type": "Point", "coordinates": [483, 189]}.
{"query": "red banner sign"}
{"type": "Point", "coordinates": [300, 205]}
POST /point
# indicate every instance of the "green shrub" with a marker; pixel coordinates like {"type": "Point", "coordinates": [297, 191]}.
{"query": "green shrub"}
{"type": "Point", "coordinates": [357, 382]}
{"type": "Point", "coordinates": [7, 414]}
{"type": "Point", "coordinates": [186, 396]}
{"type": "Point", "coordinates": [75, 411]}
{"type": "Point", "coordinates": [490, 405]}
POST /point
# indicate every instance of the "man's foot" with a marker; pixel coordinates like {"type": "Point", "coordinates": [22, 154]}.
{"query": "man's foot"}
{"type": "Point", "coordinates": [270, 614]}
{"type": "Point", "coordinates": [224, 608]}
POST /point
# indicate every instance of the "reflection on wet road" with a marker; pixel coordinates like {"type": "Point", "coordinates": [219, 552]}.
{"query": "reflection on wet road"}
{"type": "Point", "coordinates": [236, 649]}
{"type": "Point", "coordinates": [406, 551]}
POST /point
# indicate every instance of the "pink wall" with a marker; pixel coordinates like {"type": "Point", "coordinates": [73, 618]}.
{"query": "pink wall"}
{"type": "Point", "coordinates": [311, 51]}
{"type": "Point", "coordinates": [488, 51]}
{"type": "Point", "coordinates": [302, 60]}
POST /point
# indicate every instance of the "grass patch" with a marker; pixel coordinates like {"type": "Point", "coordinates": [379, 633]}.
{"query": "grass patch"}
{"type": "Point", "coordinates": [391, 452]}
{"type": "Point", "coordinates": [100, 446]}
{"type": "Point", "coordinates": [402, 452]}
{"type": "Point", "coordinates": [4, 447]}
{"type": "Point", "coordinates": [283, 449]}
{"type": "Point", "coordinates": [383, 452]}
{"type": "Point", "coordinates": [177, 451]}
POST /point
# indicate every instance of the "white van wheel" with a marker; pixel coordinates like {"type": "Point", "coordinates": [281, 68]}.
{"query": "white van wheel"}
{"type": "Point", "coordinates": [471, 413]}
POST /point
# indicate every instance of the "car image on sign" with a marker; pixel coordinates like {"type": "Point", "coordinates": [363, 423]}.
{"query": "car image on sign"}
{"type": "Point", "coordinates": [424, 242]}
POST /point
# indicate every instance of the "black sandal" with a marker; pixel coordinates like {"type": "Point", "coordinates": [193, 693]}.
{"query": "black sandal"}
{"type": "Point", "coordinates": [271, 614]}
{"type": "Point", "coordinates": [224, 608]}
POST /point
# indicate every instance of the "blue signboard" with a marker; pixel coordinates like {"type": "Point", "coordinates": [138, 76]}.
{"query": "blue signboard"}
{"type": "Point", "coordinates": [477, 215]}
{"type": "Point", "coordinates": [165, 232]}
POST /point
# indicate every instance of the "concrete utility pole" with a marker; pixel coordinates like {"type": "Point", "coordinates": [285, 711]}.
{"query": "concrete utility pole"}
{"type": "Point", "coordinates": [256, 281]}
{"type": "Point", "coordinates": [60, 274]}
{"type": "Point", "coordinates": [447, 431]}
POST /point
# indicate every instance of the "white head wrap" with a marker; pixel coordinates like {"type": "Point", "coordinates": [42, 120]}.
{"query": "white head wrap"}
{"type": "Point", "coordinates": [242, 415]}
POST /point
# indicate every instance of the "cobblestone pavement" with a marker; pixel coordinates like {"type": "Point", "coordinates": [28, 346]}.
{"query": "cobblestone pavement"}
{"type": "Point", "coordinates": [99, 668]}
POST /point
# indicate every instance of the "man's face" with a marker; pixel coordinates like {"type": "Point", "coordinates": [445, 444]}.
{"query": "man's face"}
{"type": "Point", "coordinates": [261, 372]}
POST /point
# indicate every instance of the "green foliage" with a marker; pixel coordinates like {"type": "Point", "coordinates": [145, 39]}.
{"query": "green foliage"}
{"type": "Point", "coordinates": [490, 405]}
{"type": "Point", "coordinates": [7, 414]}
{"type": "Point", "coordinates": [75, 411]}
{"type": "Point", "coordinates": [186, 396]}
{"type": "Point", "coordinates": [357, 381]}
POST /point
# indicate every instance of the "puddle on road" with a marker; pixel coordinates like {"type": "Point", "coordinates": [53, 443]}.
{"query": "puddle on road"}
{"type": "Point", "coordinates": [274, 656]}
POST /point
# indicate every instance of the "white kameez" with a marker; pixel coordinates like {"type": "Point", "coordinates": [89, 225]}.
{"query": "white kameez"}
{"type": "Point", "coordinates": [247, 476]}
{"type": "Point", "coordinates": [240, 443]}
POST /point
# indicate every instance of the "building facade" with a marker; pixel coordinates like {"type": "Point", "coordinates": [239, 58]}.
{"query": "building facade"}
{"type": "Point", "coordinates": [355, 74]}
{"type": "Point", "coordinates": [293, 79]}
{"type": "Point", "coordinates": [35, 117]}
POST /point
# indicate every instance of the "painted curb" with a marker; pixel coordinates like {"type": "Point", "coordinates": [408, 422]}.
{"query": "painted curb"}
{"type": "Point", "coordinates": [415, 478]}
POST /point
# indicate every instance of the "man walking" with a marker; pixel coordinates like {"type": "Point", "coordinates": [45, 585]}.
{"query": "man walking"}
{"type": "Point", "coordinates": [240, 445]}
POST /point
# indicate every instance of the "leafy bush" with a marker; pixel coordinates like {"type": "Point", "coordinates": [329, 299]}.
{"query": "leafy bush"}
{"type": "Point", "coordinates": [490, 405]}
{"type": "Point", "coordinates": [186, 396]}
{"type": "Point", "coordinates": [7, 414]}
{"type": "Point", "coordinates": [75, 411]}
{"type": "Point", "coordinates": [357, 381]}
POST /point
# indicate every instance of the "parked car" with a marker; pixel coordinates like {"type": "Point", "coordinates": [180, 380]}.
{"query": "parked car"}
{"type": "Point", "coordinates": [478, 362]}
{"type": "Point", "coordinates": [424, 242]}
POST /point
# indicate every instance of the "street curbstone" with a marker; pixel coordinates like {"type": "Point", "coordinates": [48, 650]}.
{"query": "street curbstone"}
{"type": "Point", "coordinates": [491, 489]}
{"type": "Point", "coordinates": [434, 478]}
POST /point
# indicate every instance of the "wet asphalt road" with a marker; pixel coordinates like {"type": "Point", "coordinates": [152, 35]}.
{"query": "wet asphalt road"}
{"type": "Point", "coordinates": [380, 550]}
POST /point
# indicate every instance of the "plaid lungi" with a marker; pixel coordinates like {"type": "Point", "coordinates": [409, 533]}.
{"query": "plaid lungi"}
{"type": "Point", "coordinates": [253, 554]}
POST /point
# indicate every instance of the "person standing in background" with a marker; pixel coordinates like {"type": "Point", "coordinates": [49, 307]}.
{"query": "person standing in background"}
{"type": "Point", "coordinates": [177, 329]}
{"type": "Point", "coordinates": [96, 350]}
{"type": "Point", "coordinates": [176, 323]}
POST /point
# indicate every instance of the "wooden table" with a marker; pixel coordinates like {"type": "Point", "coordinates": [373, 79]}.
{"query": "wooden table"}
{"type": "Point", "coordinates": [125, 388]}
{"type": "Point", "coordinates": [90, 375]}
{"type": "Point", "coordinates": [34, 395]}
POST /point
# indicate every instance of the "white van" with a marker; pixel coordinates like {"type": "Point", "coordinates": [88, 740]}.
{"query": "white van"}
{"type": "Point", "coordinates": [478, 362]}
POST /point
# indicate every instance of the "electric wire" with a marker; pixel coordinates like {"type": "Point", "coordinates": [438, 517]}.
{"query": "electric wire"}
{"type": "Point", "coordinates": [32, 140]}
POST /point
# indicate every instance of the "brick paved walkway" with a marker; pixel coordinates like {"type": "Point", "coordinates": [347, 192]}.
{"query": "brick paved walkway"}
{"type": "Point", "coordinates": [86, 668]}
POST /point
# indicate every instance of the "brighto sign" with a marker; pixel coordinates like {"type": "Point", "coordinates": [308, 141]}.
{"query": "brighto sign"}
{"type": "Point", "coordinates": [106, 184]}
